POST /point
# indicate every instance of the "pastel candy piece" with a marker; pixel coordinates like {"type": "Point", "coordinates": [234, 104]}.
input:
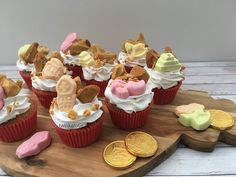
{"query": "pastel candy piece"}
{"type": "Point", "coordinates": [118, 89]}
{"type": "Point", "coordinates": [124, 89]}
{"type": "Point", "coordinates": [122, 92]}
{"type": "Point", "coordinates": [136, 88]}
{"type": "Point", "coordinates": [188, 109]}
{"type": "Point", "coordinates": [70, 38]}
{"type": "Point", "coordinates": [167, 63]}
{"type": "Point", "coordinates": [136, 50]}
{"type": "Point", "coordinates": [22, 50]}
{"type": "Point", "coordinates": [198, 120]}
{"type": "Point", "coordinates": [33, 146]}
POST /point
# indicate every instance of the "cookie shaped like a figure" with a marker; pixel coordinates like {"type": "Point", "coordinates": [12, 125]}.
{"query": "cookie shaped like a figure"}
{"type": "Point", "coordinates": [66, 93]}
{"type": "Point", "coordinates": [53, 69]}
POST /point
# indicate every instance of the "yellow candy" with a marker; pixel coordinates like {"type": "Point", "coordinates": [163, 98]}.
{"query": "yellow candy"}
{"type": "Point", "coordinates": [141, 144]}
{"type": "Point", "coordinates": [116, 155]}
{"type": "Point", "coordinates": [221, 120]}
{"type": "Point", "coordinates": [136, 50]}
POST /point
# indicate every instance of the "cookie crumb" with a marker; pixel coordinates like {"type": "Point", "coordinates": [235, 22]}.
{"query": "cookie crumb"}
{"type": "Point", "coordinates": [72, 114]}
{"type": "Point", "coordinates": [86, 113]}
{"type": "Point", "coordinates": [94, 107]}
{"type": "Point", "coordinates": [9, 108]}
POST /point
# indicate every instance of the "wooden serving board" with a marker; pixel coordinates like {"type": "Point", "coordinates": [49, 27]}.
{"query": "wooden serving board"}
{"type": "Point", "coordinates": [60, 160]}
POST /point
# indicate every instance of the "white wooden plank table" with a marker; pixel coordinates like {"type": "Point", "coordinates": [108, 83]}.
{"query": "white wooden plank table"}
{"type": "Point", "coordinates": [219, 80]}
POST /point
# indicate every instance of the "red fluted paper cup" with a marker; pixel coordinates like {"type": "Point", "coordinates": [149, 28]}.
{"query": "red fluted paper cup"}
{"type": "Point", "coordinates": [102, 85]}
{"type": "Point", "coordinates": [27, 78]}
{"type": "Point", "coordinates": [165, 96]}
{"type": "Point", "coordinates": [125, 120]}
{"type": "Point", "coordinates": [44, 97]}
{"type": "Point", "coordinates": [21, 127]}
{"type": "Point", "coordinates": [76, 70]}
{"type": "Point", "coordinates": [81, 137]}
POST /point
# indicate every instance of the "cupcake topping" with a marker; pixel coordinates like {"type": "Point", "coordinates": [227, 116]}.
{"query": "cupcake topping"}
{"type": "Point", "coordinates": [13, 99]}
{"type": "Point", "coordinates": [75, 106]}
{"type": "Point", "coordinates": [165, 71]}
{"type": "Point", "coordinates": [73, 45]}
{"type": "Point", "coordinates": [86, 60]}
{"type": "Point", "coordinates": [46, 74]}
{"type": "Point", "coordinates": [167, 62]}
{"type": "Point", "coordinates": [134, 52]}
{"type": "Point", "coordinates": [53, 69]}
{"type": "Point", "coordinates": [132, 84]}
{"type": "Point", "coordinates": [151, 58]}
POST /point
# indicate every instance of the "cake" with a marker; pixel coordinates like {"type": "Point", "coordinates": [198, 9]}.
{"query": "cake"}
{"type": "Point", "coordinates": [128, 97]}
{"type": "Point", "coordinates": [25, 62]}
{"type": "Point", "coordinates": [166, 75]}
{"type": "Point", "coordinates": [18, 113]}
{"type": "Point", "coordinates": [70, 49]}
{"type": "Point", "coordinates": [76, 112]}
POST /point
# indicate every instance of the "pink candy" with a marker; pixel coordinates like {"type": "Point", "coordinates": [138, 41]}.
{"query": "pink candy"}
{"type": "Point", "coordinates": [124, 89]}
{"type": "Point", "coordinates": [34, 145]}
{"type": "Point", "coordinates": [1, 97]}
{"type": "Point", "coordinates": [70, 38]}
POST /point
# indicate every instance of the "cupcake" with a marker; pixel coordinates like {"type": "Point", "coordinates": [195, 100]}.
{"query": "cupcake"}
{"type": "Point", "coordinates": [44, 78]}
{"type": "Point", "coordinates": [166, 75]}
{"type": "Point", "coordinates": [76, 112]}
{"type": "Point", "coordinates": [128, 97]}
{"type": "Point", "coordinates": [133, 53]}
{"type": "Point", "coordinates": [70, 49]}
{"type": "Point", "coordinates": [26, 56]}
{"type": "Point", "coordinates": [97, 67]}
{"type": "Point", "coordinates": [18, 113]}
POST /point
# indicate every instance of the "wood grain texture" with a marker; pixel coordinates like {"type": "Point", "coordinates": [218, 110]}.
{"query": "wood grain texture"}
{"type": "Point", "coordinates": [183, 162]}
{"type": "Point", "coordinates": [59, 160]}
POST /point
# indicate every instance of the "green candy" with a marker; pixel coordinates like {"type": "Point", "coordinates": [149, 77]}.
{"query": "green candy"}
{"type": "Point", "coordinates": [167, 62]}
{"type": "Point", "coordinates": [22, 50]}
{"type": "Point", "coordinates": [198, 120]}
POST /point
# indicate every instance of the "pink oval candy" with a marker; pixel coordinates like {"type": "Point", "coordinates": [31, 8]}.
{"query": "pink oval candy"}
{"type": "Point", "coordinates": [38, 142]}
{"type": "Point", "coordinates": [70, 38]}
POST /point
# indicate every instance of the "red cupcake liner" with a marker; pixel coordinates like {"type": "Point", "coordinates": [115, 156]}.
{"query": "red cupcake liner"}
{"type": "Point", "coordinates": [76, 70]}
{"type": "Point", "coordinates": [45, 97]}
{"type": "Point", "coordinates": [27, 78]}
{"type": "Point", "coordinates": [125, 120]}
{"type": "Point", "coordinates": [81, 137]}
{"type": "Point", "coordinates": [20, 127]}
{"type": "Point", "coordinates": [165, 96]}
{"type": "Point", "coordinates": [102, 85]}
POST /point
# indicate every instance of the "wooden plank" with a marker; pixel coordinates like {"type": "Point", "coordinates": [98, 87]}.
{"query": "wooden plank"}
{"type": "Point", "coordinates": [186, 161]}
{"type": "Point", "coordinates": [214, 89]}
{"type": "Point", "coordinates": [210, 79]}
{"type": "Point", "coordinates": [211, 64]}
{"type": "Point", "coordinates": [205, 71]}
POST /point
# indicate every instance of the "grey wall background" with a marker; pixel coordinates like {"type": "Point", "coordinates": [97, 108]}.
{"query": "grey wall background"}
{"type": "Point", "coordinates": [197, 30]}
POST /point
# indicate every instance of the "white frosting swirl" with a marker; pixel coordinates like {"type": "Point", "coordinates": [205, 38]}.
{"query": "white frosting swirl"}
{"type": "Point", "coordinates": [19, 105]}
{"type": "Point", "coordinates": [22, 66]}
{"type": "Point", "coordinates": [132, 103]}
{"type": "Point", "coordinates": [69, 59]}
{"type": "Point", "coordinates": [99, 74]}
{"type": "Point", "coordinates": [122, 58]}
{"type": "Point", "coordinates": [62, 121]}
{"type": "Point", "coordinates": [44, 84]}
{"type": "Point", "coordinates": [164, 80]}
